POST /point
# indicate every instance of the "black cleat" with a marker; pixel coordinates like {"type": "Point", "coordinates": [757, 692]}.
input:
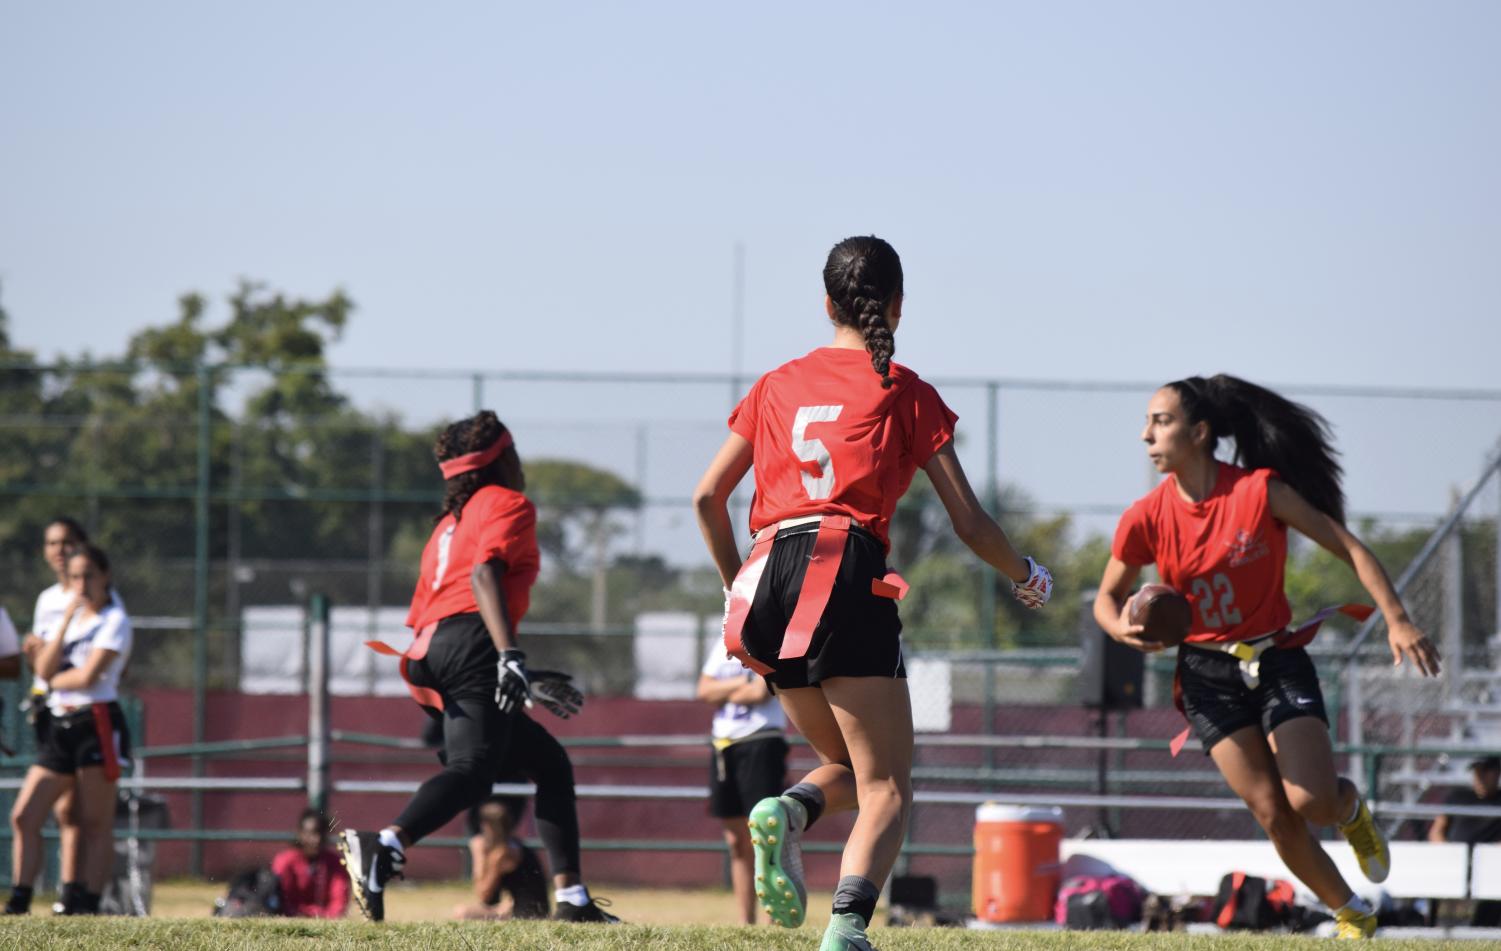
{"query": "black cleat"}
{"type": "Point", "coordinates": [591, 914]}
{"type": "Point", "coordinates": [370, 865]}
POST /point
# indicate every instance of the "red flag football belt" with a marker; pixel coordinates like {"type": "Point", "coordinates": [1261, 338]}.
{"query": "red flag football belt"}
{"type": "Point", "coordinates": [818, 583]}
{"type": "Point", "coordinates": [1285, 639]}
{"type": "Point", "coordinates": [426, 696]}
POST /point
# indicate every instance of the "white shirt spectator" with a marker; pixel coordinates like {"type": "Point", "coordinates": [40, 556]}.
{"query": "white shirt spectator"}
{"type": "Point", "coordinates": [109, 630]}
{"type": "Point", "coordinates": [736, 721]}
{"type": "Point", "coordinates": [10, 641]}
{"type": "Point", "coordinates": [51, 605]}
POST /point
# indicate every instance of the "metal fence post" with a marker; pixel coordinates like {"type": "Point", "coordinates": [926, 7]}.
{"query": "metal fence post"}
{"type": "Point", "coordinates": [987, 589]}
{"type": "Point", "coordinates": [1451, 562]}
{"type": "Point", "coordinates": [1354, 698]}
{"type": "Point", "coordinates": [200, 595]}
{"type": "Point", "coordinates": [317, 690]}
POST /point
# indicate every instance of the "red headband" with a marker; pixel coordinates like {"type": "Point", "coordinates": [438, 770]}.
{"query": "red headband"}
{"type": "Point", "coordinates": [469, 462]}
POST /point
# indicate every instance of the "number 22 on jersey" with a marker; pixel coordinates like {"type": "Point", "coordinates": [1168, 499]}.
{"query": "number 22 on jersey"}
{"type": "Point", "coordinates": [1206, 593]}
{"type": "Point", "coordinates": [816, 465]}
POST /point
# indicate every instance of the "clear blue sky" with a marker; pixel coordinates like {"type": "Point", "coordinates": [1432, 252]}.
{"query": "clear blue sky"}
{"type": "Point", "coordinates": [1289, 191]}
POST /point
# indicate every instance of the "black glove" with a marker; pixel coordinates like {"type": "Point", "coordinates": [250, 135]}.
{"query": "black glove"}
{"type": "Point", "coordinates": [512, 691]}
{"type": "Point", "coordinates": [556, 692]}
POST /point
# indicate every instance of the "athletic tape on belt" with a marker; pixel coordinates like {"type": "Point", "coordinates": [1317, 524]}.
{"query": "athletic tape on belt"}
{"type": "Point", "coordinates": [812, 598]}
{"type": "Point", "coordinates": [426, 696]}
{"type": "Point", "coordinates": [1299, 636]}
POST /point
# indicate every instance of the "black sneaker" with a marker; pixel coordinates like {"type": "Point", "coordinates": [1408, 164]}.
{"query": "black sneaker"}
{"type": "Point", "coordinates": [69, 900]}
{"type": "Point", "coordinates": [370, 865]}
{"type": "Point", "coordinates": [16, 905]}
{"type": "Point", "coordinates": [593, 913]}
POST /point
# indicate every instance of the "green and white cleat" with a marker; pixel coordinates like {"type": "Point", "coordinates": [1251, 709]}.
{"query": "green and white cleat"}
{"type": "Point", "coordinates": [846, 932]}
{"type": "Point", "coordinates": [776, 828]}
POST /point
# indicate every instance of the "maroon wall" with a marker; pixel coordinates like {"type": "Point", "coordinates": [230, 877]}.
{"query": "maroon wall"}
{"type": "Point", "coordinates": [168, 720]}
{"type": "Point", "coordinates": [231, 716]}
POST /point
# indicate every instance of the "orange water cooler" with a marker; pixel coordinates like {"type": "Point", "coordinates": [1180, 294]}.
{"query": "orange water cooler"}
{"type": "Point", "coordinates": [1016, 862]}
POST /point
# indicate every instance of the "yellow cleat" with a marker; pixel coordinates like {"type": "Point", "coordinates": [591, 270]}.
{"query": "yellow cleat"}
{"type": "Point", "coordinates": [1369, 843]}
{"type": "Point", "coordinates": [1352, 925]}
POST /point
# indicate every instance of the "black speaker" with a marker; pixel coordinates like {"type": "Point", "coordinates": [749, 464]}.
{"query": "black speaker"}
{"type": "Point", "coordinates": [1110, 673]}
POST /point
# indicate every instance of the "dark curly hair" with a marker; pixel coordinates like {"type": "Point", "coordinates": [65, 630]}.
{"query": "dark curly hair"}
{"type": "Point", "coordinates": [863, 276]}
{"type": "Point", "coordinates": [461, 438]}
{"type": "Point", "coordinates": [1270, 432]}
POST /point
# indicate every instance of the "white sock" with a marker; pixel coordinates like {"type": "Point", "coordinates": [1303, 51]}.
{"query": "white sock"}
{"type": "Point", "coordinates": [390, 840]}
{"type": "Point", "coordinates": [573, 895]}
{"type": "Point", "coordinates": [1357, 904]}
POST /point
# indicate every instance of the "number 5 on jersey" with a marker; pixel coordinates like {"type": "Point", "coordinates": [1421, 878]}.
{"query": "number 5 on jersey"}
{"type": "Point", "coordinates": [815, 464]}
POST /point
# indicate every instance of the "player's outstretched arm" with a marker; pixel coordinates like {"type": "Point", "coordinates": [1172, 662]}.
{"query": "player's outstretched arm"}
{"type": "Point", "coordinates": [1289, 507]}
{"type": "Point", "coordinates": [1110, 605]}
{"type": "Point", "coordinates": [971, 522]}
{"type": "Point", "coordinates": [711, 503]}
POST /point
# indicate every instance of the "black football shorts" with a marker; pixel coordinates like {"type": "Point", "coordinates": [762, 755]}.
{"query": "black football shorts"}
{"type": "Point", "coordinates": [1218, 702]}
{"type": "Point", "coordinates": [859, 634]}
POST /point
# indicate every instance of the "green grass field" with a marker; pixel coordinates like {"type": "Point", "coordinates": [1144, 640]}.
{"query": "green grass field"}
{"type": "Point", "coordinates": [661, 920]}
{"type": "Point", "coordinates": [272, 935]}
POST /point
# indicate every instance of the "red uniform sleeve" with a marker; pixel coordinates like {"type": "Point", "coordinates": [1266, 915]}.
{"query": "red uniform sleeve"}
{"type": "Point", "coordinates": [744, 417]}
{"type": "Point", "coordinates": [932, 423]}
{"type": "Point", "coordinates": [508, 532]}
{"type": "Point", "coordinates": [1133, 538]}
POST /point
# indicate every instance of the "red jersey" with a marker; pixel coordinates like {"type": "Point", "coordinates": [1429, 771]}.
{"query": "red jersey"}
{"type": "Point", "coordinates": [316, 889]}
{"type": "Point", "coordinates": [830, 440]}
{"type": "Point", "coordinates": [1226, 554]}
{"type": "Point", "coordinates": [497, 523]}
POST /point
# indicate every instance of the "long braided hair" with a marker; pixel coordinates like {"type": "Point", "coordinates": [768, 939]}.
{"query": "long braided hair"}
{"type": "Point", "coordinates": [863, 276]}
{"type": "Point", "coordinates": [1270, 432]}
{"type": "Point", "coordinates": [461, 438]}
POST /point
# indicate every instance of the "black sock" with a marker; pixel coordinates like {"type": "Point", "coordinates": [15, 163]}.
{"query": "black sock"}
{"type": "Point", "coordinates": [20, 900]}
{"type": "Point", "coordinates": [88, 902]}
{"type": "Point", "coordinates": [811, 798]}
{"type": "Point", "coordinates": [68, 895]}
{"type": "Point", "coordinates": [856, 895]}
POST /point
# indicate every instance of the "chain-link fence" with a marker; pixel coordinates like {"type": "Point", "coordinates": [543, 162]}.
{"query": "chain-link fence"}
{"type": "Point", "coordinates": [227, 495]}
{"type": "Point", "coordinates": [1450, 590]}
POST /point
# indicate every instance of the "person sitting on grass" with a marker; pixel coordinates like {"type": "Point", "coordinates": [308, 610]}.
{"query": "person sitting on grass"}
{"type": "Point", "coordinates": [508, 877]}
{"type": "Point", "coordinates": [311, 882]}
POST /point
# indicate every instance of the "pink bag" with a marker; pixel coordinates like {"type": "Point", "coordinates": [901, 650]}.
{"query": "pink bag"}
{"type": "Point", "coordinates": [1119, 895]}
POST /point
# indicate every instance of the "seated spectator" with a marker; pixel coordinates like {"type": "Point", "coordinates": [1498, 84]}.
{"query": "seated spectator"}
{"type": "Point", "coordinates": [313, 885]}
{"type": "Point", "coordinates": [508, 878]}
{"type": "Point", "coordinates": [1485, 790]}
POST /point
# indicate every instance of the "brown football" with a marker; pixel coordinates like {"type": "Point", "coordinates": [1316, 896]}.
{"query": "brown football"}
{"type": "Point", "coordinates": [1163, 613]}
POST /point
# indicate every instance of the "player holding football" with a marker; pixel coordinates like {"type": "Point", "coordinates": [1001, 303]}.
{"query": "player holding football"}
{"type": "Point", "coordinates": [835, 438]}
{"type": "Point", "coordinates": [465, 665]}
{"type": "Point", "coordinates": [1217, 532]}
